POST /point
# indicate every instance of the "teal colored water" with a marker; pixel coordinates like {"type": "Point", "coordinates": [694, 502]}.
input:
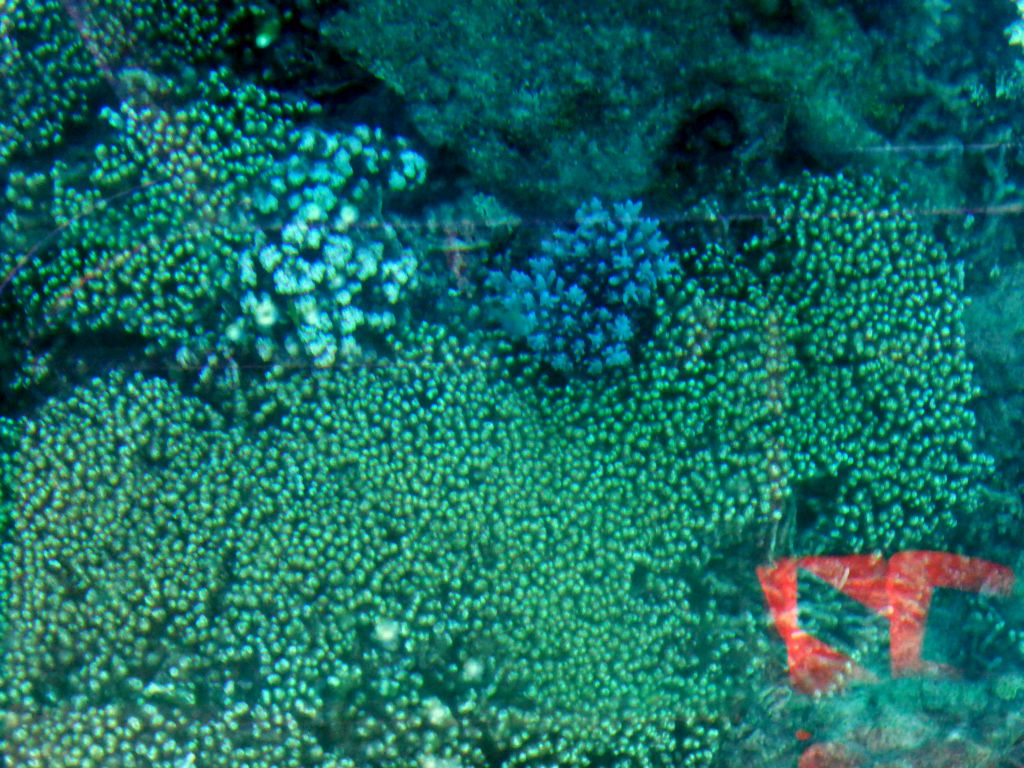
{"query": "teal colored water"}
{"type": "Point", "coordinates": [511, 384]}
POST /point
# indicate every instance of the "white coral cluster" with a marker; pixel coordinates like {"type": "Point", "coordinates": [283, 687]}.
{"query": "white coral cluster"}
{"type": "Point", "coordinates": [325, 263]}
{"type": "Point", "coordinates": [1015, 32]}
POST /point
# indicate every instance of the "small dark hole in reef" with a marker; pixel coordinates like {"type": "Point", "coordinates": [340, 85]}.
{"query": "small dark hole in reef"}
{"type": "Point", "coordinates": [815, 497]}
{"type": "Point", "coordinates": [638, 581]}
{"type": "Point", "coordinates": [707, 138]}
{"type": "Point", "coordinates": [711, 130]}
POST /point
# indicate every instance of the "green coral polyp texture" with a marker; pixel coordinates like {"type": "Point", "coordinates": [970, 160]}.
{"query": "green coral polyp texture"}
{"type": "Point", "coordinates": [325, 502]}
{"type": "Point", "coordinates": [470, 583]}
{"type": "Point", "coordinates": [56, 56]}
{"type": "Point", "coordinates": [222, 226]}
{"type": "Point", "coordinates": [427, 563]}
{"type": "Point", "coordinates": [868, 328]}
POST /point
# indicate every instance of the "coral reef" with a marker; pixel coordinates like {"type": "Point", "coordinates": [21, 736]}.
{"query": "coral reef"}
{"type": "Point", "coordinates": [56, 58]}
{"type": "Point", "coordinates": [311, 459]}
{"type": "Point", "coordinates": [143, 238]}
{"type": "Point", "coordinates": [423, 561]}
{"type": "Point", "coordinates": [866, 318]}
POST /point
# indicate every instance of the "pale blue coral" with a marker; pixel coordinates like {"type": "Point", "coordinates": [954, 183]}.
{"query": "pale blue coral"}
{"type": "Point", "coordinates": [334, 265]}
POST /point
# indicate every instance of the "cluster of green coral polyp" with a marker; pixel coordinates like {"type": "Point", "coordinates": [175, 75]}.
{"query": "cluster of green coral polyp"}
{"type": "Point", "coordinates": [407, 565]}
{"type": "Point", "coordinates": [433, 561]}
{"type": "Point", "coordinates": [212, 228]}
{"type": "Point", "coordinates": [862, 317]}
{"type": "Point", "coordinates": [144, 239]}
{"type": "Point", "coordinates": [56, 57]}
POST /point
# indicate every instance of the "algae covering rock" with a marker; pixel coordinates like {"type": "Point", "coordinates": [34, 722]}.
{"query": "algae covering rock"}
{"type": "Point", "coordinates": [534, 111]}
{"type": "Point", "coordinates": [551, 104]}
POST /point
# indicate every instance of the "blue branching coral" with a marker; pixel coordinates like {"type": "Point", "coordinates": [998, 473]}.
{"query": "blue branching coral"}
{"type": "Point", "coordinates": [582, 301]}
